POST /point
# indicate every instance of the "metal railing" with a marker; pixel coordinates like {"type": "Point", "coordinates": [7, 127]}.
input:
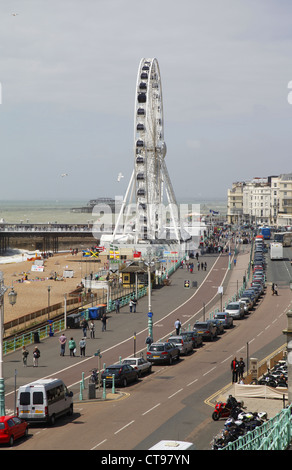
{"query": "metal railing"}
{"type": "Point", "coordinates": [275, 434]}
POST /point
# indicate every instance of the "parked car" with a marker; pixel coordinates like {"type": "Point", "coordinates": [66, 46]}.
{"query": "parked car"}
{"type": "Point", "coordinates": [254, 292]}
{"type": "Point", "coordinates": [235, 309]}
{"type": "Point", "coordinates": [219, 325]}
{"type": "Point", "coordinates": [248, 302]}
{"type": "Point", "coordinates": [250, 295]}
{"type": "Point", "coordinates": [207, 329]}
{"type": "Point", "coordinates": [195, 337]}
{"type": "Point", "coordinates": [12, 428]}
{"type": "Point", "coordinates": [225, 319]}
{"type": "Point", "coordinates": [245, 306]}
{"type": "Point", "coordinates": [163, 352]}
{"type": "Point", "coordinates": [184, 343]}
{"type": "Point", "coordinates": [139, 364]}
{"type": "Point", "coordinates": [124, 374]}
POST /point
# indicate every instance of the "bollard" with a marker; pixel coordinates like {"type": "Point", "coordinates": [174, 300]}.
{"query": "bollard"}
{"type": "Point", "coordinates": [104, 391]}
{"type": "Point", "coordinates": [80, 393]}
{"type": "Point", "coordinates": [82, 381]}
{"type": "Point", "coordinates": [113, 383]}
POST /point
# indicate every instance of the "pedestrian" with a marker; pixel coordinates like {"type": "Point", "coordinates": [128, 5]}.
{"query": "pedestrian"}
{"type": "Point", "coordinates": [25, 353]}
{"type": "Point", "coordinates": [177, 325]}
{"type": "Point", "coordinates": [82, 345]}
{"type": "Point", "coordinates": [275, 289]}
{"type": "Point", "coordinates": [103, 320]}
{"type": "Point", "coordinates": [131, 305]}
{"type": "Point", "coordinates": [62, 341]}
{"type": "Point", "coordinates": [202, 265]}
{"type": "Point", "coordinates": [234, 369]}
{"type": "Point", "coordinates": [241, 367]}
{"type": "Point", "coordinates": [205, 266]}
{"type": "Point", "coordinates": [72, 347]}
{"type": "Point", "coordinates": [36, 356]}
{"type": "Point", "coordinates": [117, 305]}
{"type": "Point", "coordinates": [92, 329]}
{"type": "Point", "coordinates": [84, 325]}
{"type": "Point", "coordinates": [198, 265]}
{"type": "Point", "coordinates": [134, 304]}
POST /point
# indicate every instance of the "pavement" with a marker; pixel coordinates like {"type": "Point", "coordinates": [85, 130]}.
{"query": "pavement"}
{"type": "Point", "coordinates": [185, 304]}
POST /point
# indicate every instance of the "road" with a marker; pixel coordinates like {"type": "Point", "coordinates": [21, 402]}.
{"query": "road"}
{"type": "Point", "coordinates": [169, 403]}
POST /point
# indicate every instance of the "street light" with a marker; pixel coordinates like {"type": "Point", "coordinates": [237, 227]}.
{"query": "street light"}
{"type": "Point", "coordinates": [149, 262]}
{"type": "Point", "coordinates": [12, 300]}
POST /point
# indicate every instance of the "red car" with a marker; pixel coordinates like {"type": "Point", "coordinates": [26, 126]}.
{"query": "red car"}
{"type": "Point", "coordinates": [11, 428]}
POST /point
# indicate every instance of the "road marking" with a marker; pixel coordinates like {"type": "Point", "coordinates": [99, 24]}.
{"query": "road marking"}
{"type": "Point", "coordinates": [224, 360]}
{"type": "Point", "coordinates": [175, 393]}
{"type": "Point", "coordinates": [191, 383]}
{"type": "Point", "coordinates": [97, 445]}
{"type": "Point", "coordinates": [151, 409]}
{"type": "Point", "coordinates": [124, 427]}
{"type": "Point", "coordinates": [209, 371]}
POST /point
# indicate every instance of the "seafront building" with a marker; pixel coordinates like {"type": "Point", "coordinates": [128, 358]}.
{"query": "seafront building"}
{"type": "Point", "coordinates": [261, 201]}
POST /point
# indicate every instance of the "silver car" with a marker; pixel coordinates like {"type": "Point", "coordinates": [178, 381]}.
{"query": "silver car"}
{"type": "Point", "coordinates": [235, 309]}
{"type": "Point", "coordinates": [182, 342]}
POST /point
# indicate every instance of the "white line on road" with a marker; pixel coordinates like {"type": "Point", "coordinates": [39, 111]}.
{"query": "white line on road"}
{"type": "Point", "coordinates": [97, 445]}
{"type": "Point", "coordinates": [124, 427]}
{"type": "Point", "coordinates": [151, 409]}
{"type": "Point", "coordinates": [208, 372]}
{"type": "Point", "coordinates": [175, 393]}
{"type": "Point", "coordinates": [191, 383]}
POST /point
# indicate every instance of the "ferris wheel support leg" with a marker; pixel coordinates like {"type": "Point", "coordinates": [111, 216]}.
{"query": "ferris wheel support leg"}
{"type": "Point", "coordinates": [123, 205]}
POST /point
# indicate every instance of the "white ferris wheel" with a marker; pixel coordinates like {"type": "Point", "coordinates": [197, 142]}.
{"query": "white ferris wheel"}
{"type": "Point", "coordinates": [143, 207]}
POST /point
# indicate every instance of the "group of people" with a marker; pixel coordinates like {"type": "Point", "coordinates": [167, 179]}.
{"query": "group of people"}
{"type": "Point", "coordinates": [35, 356]}
{"type": "Point", "coordinates": [237, 369]}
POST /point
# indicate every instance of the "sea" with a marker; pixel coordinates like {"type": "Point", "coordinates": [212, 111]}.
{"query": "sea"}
{"type": "Point", "coordinates": [60, 211]}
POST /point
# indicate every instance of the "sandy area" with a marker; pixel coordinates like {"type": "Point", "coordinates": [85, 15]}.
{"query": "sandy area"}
{"type": "Point", "coordinates": [33, 294]}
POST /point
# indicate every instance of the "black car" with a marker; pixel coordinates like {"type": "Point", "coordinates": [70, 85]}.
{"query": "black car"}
{"type": "Point", "coordinates": [123, 373]}
{"type": "Point", "coordinates": [163, 352]}
{"type": "Point", "coordinates": [207, 329]}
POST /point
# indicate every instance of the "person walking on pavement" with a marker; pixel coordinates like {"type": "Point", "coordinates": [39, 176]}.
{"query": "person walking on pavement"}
{"type": "Point", "coordinates": [72, 347]}
{"type": "Point", "coordinates": [241, 367]}
{"type": "Point", "coordinates": [25, 353]}
{"type": "Point", "coordinates": [103, 320]}
{"type": "Point", "coordinates": [62, 341]}
{"type": "Point", "coordinates": [117, 305]}
{"type": "Point", "coordinates": [84, 325]}
{"type": "Point", "coordinates": [92, 330]}
{"type": "Point", "coordinates": [131, 305]}
{"type": "Point", "coordinates": [234, 369]}
{"type": "Point", "coordinates": [177, 325]}
{"type": "Point", "coordinates": [36, 355]}
{"type": "Point", "coordinates": [82, 345]}
{"type": "Point", "coordinates": [134, 304]}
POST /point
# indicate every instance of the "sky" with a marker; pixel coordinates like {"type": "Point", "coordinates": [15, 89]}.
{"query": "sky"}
{"type": "Point", "coordinates": [68, 71]}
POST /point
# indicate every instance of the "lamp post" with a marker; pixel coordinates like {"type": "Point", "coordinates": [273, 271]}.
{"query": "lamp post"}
{"type": "Point", "coordinates": [12, 300]}
{"type": "Point", "coordinates": [149, 263]}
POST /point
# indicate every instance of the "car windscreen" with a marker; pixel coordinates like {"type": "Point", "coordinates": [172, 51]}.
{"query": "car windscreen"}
{"type": "Point", "coordinates": [201, 326]}
{"type": "Point", "coordinates": [157, 347]}
{"type": "Point", "coordinates": [232, 307]}
{"type": "Point", "coordinates": [129, 361]}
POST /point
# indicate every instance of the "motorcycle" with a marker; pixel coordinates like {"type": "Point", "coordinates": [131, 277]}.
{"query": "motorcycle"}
{"type": "Point", "coordinates": [222, 410]}
{"type": "Point", "coordinates": [94, 377]}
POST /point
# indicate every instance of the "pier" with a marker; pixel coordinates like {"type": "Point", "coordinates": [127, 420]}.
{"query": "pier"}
{"type": "Point", "coordinates": [45, 237]}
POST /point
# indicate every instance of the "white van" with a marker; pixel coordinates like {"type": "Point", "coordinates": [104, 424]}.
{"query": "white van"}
{"type": "Point", "coordinates": [173, 445]}
{"type": "Point", "coordinates": [44, 400]}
